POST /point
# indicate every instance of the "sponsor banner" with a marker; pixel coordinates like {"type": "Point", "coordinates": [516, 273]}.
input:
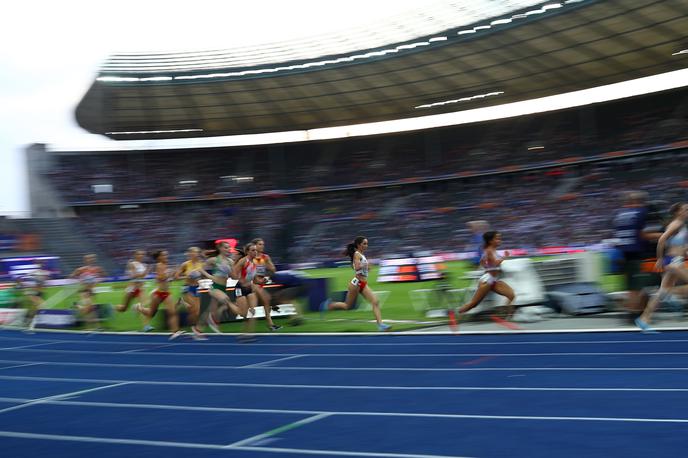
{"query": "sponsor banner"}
{"type": "Point", "coordinates": [55, 319]}
{"type": "Point", "coordinates": [12, 317]}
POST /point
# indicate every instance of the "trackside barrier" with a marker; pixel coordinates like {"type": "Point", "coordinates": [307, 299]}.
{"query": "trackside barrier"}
{"type": "Point", "coordinates": [420, 299]}
{"type": "Point", "coordinates": [12, 317]}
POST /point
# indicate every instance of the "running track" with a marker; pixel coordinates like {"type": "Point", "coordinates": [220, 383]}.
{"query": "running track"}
{"type": "Point", "coordinates": [398, 396]}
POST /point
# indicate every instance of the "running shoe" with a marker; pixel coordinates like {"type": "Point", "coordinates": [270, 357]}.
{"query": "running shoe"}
{"type": "Point", "coordinates": [384, 327]}
{"type": "Point", "coordinates": [644, 327]}
{"type": "Point", "coordinates": [324, 305]}
{"type": "Point", "coordinates": [176, 334]}
{"type": "Point", "coordinates": [246, 338]}
{"type": "Point", "coordinates": [213, 325]}
{"type": "Point", "coordinates": [275, 327]}
{"type": "Point", "coordinates": [148, 328]}
{"type": "Point", "coordinates": [196, 334]}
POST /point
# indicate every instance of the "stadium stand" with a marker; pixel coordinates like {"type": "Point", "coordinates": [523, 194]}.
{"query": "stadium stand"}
{"type": "Point", "coordinates": [217, 173]}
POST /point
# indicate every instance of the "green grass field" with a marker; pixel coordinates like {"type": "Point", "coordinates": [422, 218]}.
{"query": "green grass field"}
{"type": "Point", "coordinates": [397, 306]}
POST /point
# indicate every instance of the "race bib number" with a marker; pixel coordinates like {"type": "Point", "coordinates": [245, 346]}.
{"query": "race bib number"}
{"type": "Point", "coordinates": [205, 283]}
{"type": "Point", "coordinates": [237, 291]}
{"type": "Point", "coordinates": [355, 281]}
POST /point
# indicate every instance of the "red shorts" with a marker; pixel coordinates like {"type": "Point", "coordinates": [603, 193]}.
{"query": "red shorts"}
{"type": "Point", "coordinates": [360, 283]}
{"type": "Point", "coordinates": [161, 294]}
{"type": "Point", "coordinates": [134, 291]}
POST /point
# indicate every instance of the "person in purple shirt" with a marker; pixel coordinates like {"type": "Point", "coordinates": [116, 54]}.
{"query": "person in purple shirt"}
{"type": "Point", "coordinates": [632, 241]}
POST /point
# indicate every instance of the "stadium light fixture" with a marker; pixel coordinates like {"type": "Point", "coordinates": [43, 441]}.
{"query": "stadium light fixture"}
{"type": "Point", "coordinates": [156, 78]}
{"type": "Point", "coordinates": [683, 51]}
{"type": "Point", "coordinates": [462, 99]}
{"type": "Point", "coordinates": [185, 182]}
{"type": "Point", "coordinates": [137, 132]}
{"type": "Point", "coordinates": [533, 148]}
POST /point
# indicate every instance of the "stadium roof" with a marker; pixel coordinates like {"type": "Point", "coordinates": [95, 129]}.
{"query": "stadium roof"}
{"type": "Point", "coordinates": [439, 63]}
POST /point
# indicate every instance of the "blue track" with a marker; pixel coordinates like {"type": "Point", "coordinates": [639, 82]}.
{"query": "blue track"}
{"type": "Point", "coordinates": [518, 395]}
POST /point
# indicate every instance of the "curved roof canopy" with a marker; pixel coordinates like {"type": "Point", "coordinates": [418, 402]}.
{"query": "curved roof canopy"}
{"type": "Point", "coordinates": [451, 58]}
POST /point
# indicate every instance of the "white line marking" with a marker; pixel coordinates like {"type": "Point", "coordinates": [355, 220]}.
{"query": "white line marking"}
{"type": "Point", "coordinates": [284, 341]}
{"type": "Point", "coordinates": [135, 350]}
{"type": "Point", "coordinates": [27, 346]}
{"type": "Point", "coordinates": [358, 413]}
{"type": "Point", "coordinates": [276, 431]}
{"type": "Point", "coordinates": [347, 355]}
{"type": "Point", "coordinates": [426, 333]}
{"type": "Point", "coordinates": [383, 369]}
{"type": "Point", "coordinates": [341, 387]}
{"type": "Point", "coordinates": [106, 440]}
{"type": "Point", "coordinates": [20, 365]}
{"type": "Point", "coordinates": [267, 363]}
{"type": "Point", "coordinates": [60, 396]}
{"type": "Point", "coordinates": [342, 453]}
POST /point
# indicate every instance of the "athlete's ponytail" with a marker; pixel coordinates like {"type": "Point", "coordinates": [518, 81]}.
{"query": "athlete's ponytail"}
{"type": "Point", "coordinates": [352, 247]}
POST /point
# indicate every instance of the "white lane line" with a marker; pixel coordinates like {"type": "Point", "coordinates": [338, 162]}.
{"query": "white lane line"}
{"type": "Point", "coordinates": [61, 396]}
{"type": "Point", "coordinates": [284, 341]}
{"type": "Point", "coordinates": [135, 350]}
{"type": "Point", "coordinates": [301, 451]}
{"type": "Point", "coordinates": [107, 440]}
{"type": "Point", "coordinates": [343, 387]}
{"type": "Point", "coordinates": [361, 413]}
{"type": "Point", "coordinates": [280, 429]}
{"type": "Point", "coordinates": [144, 351]}
{"type": "Point", "coordinates": [272, 361]}
{"type": "Point", "coordinates": [27, 346]}
{"type": "Point", "coordinates": [379, 369]}
{"type": "Point", "coordinates": [20, 365]}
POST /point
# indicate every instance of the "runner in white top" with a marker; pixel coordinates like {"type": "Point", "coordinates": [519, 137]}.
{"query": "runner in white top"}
{"type": "Point", "coordinates": [136, 271]}
{"type": "Point", "coordinates": [359, 284]}
{"type": "Point", "coordinates": [491, 263]}
{"type": "Point", "coordinates": [671, 252]}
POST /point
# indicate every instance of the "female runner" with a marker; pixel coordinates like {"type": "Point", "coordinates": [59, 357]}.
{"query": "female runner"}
{"type": "Point", "coordinates": [221, 267]}
{"type": "Point", "coordinates": [161, 295]}
{"type": "Point", "coordinates": [359, 284]}
{"type": "Point", "coordinates": [136, 271]}
{"type": "Point", "coordinates": [671, 255]}
{"type": "Point", "coordinates": [491, 263]}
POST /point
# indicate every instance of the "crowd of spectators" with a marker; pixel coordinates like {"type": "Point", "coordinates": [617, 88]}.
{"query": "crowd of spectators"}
{"type": "Point", "coordinates": [551, 207]}
{"type": "Point", "coordinates": [523, 141]}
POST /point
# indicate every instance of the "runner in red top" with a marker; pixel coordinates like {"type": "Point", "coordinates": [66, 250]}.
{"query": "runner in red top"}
{"type": "Point", "coordinates": [264, 268]}
{"type": "Point", "coordinates": [161, 295]}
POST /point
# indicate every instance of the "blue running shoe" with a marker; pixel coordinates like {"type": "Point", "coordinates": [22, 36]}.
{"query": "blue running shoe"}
{"type": "Point", "coordinates": [383, 327]}
{"type": "Point", "coordinates": [644, 327]}
{"type": "Point", "coordinates": [324, 306]}
{"type": "Point", "coordinates": [148, 328]}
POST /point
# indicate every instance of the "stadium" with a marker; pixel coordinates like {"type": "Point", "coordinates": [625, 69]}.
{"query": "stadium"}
{"type": "Point", "coordinates": [559, 127]}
